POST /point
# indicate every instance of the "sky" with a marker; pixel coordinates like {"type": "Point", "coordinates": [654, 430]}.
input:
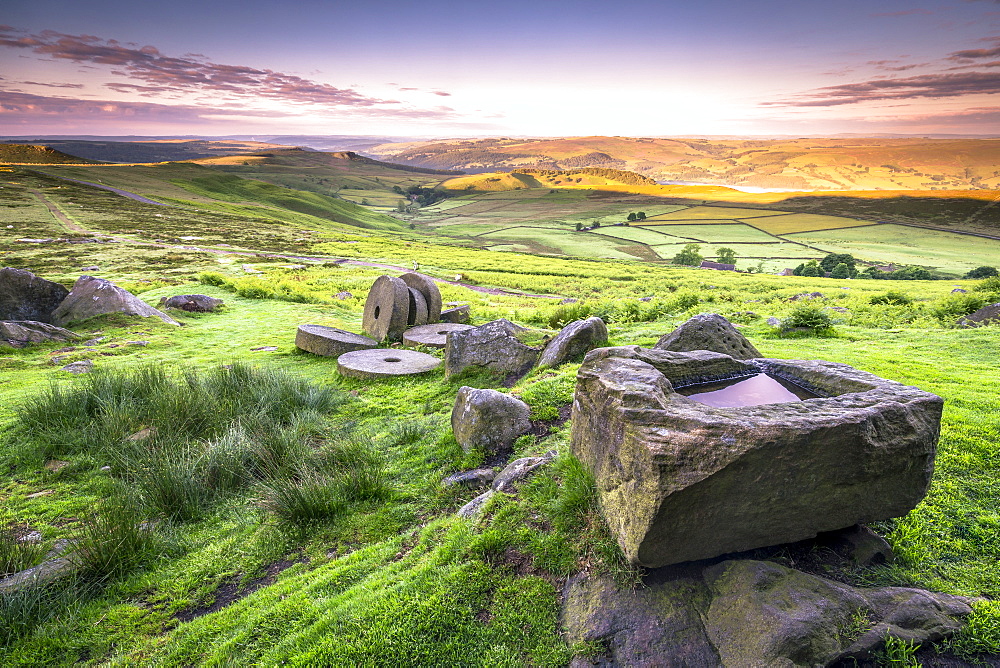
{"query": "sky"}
{"type": "Point", "coordinates": [449, 68]}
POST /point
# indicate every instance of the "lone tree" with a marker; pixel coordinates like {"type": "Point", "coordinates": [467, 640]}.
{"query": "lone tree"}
{"type": "Point", "coordinates": [983, 272]}
{"type": "Point", "coordinates": [830, 262]}
{"type": "Point", "coordinates": [641, 215]}
{"type": "Point", "coordinates": [631, 217]}
{"type": "Point", "coordinates": [690, 256]}
{"type": "Point", "coordinates": [579, 226]}
{"type": "Point", "coordinates": [726, 255]}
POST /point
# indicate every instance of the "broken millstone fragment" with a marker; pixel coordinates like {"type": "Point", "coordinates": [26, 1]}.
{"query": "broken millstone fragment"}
{"type": "Point", "coordinates": [385, 362]}
{"type": "Point", "coordinates": [708, 331]}
{"type": "Point", "coordinates": [488, 419]}
{"type": "Point", "coordinates": [330, 341]}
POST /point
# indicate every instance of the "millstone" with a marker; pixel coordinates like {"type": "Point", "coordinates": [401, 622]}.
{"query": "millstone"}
{"type": "Point", "coordinates": [330, 341]}
{"type": "Point", "coordinates": [434, 335]}
{"type": "Point", "coordinates": [385, 362]}
{"type": "Point", "coordinates": [429, 289]}
{"type": "Point", "coordinates": [418, 309]}
{"type": "Point", "coordinates": [386, 309]}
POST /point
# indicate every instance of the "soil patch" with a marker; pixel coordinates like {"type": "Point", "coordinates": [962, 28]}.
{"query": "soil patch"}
{"type": "Point", "coordinates": [230, 591]}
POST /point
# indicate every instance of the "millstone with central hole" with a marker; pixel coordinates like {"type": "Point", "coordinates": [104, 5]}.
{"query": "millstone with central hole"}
{"type": "Point", "coordinates": [429, 289]}
{"type": "Point", "coordinates": [386, 309]}
{"type": "Point", "coordinates": [434, 335]}
{"type": "Point", "coordinates": [418, 309]}
{"type": "Point", "coordinates": [385, 362]}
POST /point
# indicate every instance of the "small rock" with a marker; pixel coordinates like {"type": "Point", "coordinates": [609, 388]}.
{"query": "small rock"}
{"type": "Point", "coordinates": [18, 334]}
{"type": "Point", "coordinates": [44, 492]}
{"type": "Point", "coordinates": [105, 468]}
{"type": "Point", "coordinates": [90, 269]}
{"type": "Point", "coordinates": [137, 343]}
{"type": "Point", "coordinates": [839, 309]}
{"type": "Point", "coordinates": [861, 544]}
{"type": "Point", "coordinates": [645, 299]}
{"type": "Point", "coordinates": [474, 479]}
{"type": "Point", "coordinates": [518, 470]}
{"type": "Point", "coordinates": [473, 507]}
{"type": "Point", "coordinates": [773, 322]}
{"type": "Point", "coordinates": [459, 314]}
{"type": "Point", "coordinates": [959, 290]}
{"type": "Point", "coordinates": [83, 366]}
{"type": "Point", "coordinates": [142, 434]}
{"type": "Point", "coordinates": [343, 295]}
{"type": "Point", "coordinates": [984, 316]}
{"type": "Point", "coordinates": [488, 419]}
{"type": "Point", "coordinates": [264, 348]}
{"type": "Point", "coordinates": [31, 537]}
{"type": "Point", "coordinates": [568, 300]}
{"type": "Point", "coordinates": [574, 340]}
{"type": "Point", "coordinates": [94, 342]}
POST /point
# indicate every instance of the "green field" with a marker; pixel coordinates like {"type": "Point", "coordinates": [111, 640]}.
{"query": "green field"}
{"type": "Point", "coordinates": [225, 569]}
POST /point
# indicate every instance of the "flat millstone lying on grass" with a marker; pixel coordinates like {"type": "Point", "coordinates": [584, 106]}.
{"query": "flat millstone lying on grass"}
{"type": "Point", "coordinates": [330, 341]}
{"type": "Point", "coordinates": [385, 362]}
{"type": "Point", "coordinates": [434, 335]}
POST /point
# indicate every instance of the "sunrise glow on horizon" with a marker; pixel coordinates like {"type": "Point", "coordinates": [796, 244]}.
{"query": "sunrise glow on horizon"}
{"type": "Point", "coordinates": [444, 68]}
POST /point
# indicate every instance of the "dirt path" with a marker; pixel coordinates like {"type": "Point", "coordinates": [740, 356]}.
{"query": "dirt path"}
{"type": "Point", "coordinates": [73, 226]}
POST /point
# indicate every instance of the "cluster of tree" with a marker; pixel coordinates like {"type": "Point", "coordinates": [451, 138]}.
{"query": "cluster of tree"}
{"type": "Point", "coordinates": [834, 265]}
{"type": "Point", "coordinates": [901, 274]}
{"type": "Point", "coordinates": [420, 195]}
{"type": "Point", "coordinates": [982, 272]}
{"type": "Point", "coordinates": [632, 216]}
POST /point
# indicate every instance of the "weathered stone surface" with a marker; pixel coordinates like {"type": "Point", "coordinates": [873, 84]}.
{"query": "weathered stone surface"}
{"type": "Point", "coordinates": [474, 479]}
{"type": "Point", "coordinates": [708, 331]}
{"type": "Point", "coordinates": [54, 567]}
{"type": "Point", "coordinates": [986, 315]}
{"type": "Point", "coordinates": [434, 335]}
{"type": "Point", "coordinates": [574, 340]}
{"type": "Point", "coordinates": [25, 332]}
{"type": "Point", "coordinates": [386, 309]}
{"type": "Point", "coordinates": [518, 470]}
{"type": "Point", "coordinates": [459, 314]}
{"type": "Point", "coordinates": [385, 362]}
{"type": "Point", "coordinates": [92, 297]}
{"type": "Point", "coordinates": [678, 480]}
{"type": "Point", "coordinates": [83, 366]}
{"type": "Point", "coordinates": [192, 303]}
{"type": "Point", "coordinates": [330, 341]}
{"type": "Point", "coordinates": [768, 614]}
{"type": "Point", "coordinates": [472, 508]}
{"type": "Point", "coordinates": [417, 314]}
{"type": "Point", "coordinates": [488, 419]}
{"type": "Point", "coordinates": [861, 545]}
{"type": "Point", "coordinates": [429, 290]}
{"type": "Point", "coordinates": [343, 295]}
{"type": "Point", "coordinates": [24, 296]}
{"type": "Point", "coordinates": [493, 346]}
{"type": "Point", "coordinates": [745, 614]}
{"type": "Point", "coordinates": [654, 626]}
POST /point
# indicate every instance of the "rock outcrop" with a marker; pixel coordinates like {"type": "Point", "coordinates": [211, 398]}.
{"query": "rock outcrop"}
{"type": "Point", "coordinates": [494, 346]}
{"type": "Point", "coordinates": [91, 297]}
{"type": "Point", "coordinates": [573, 341]}
{"type": "Point", "coordinates": [25, 332]}
{"type": "Point", "coordinates": [708, 331]}
{"type": "Point", "coordinates": [679, 480]}
{"type": "Point", "coordinates": [488, 419]}
{"type": "Point", "coordinates": [24, 296]}
{"type": "Point", "coordinates": [742, 613]}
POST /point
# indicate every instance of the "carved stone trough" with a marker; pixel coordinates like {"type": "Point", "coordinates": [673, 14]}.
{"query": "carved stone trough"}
{"type": "Point", "coordinates": [679, 480]}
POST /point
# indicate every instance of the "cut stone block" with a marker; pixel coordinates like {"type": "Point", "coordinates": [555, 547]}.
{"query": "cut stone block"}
{"type": "Point", "coordinates": [330, 341]}
{"type": "Point", "coordinates": [459, 314]}
{"type": "Point", "coordinates": [679, 480]}
{"type": "Point", "coordinates": [385, 362]}
{"type": "Point", "coordinates": [434, 335]}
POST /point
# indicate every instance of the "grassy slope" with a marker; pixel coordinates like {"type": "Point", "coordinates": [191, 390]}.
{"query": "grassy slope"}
{"type": "Point", "coordinates": [403, 581]}
{"type": "Point", "coordinates": [36, 154]}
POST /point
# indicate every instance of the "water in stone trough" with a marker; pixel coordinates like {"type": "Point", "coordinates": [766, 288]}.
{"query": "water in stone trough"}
{"type": "Point", "coordinates": [752, 391]}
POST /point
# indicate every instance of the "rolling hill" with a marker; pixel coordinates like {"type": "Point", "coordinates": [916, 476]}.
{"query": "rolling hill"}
{"type": "Point", "coordinates": [911, 163]}
{"type": "Point", "coordinates": [34, 154]}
